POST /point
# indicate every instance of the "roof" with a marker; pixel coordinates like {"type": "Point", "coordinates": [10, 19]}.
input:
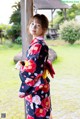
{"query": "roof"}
{"type": "Point", "coordinates": [49, 4]}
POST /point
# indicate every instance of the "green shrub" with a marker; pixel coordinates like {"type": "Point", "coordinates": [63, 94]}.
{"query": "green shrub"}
{"type": "Point", "coordinates": [3, 29]}
{"type": "Point", "coordinates": [70, 31]}
{"type": "Point", "coordinates": [18, 40]}
{"type": "Point", "coordinates": [57, 20]}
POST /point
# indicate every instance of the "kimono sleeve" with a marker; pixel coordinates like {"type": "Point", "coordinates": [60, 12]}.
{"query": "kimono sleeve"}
{"type": "Point", "coordinates": [34, 66]}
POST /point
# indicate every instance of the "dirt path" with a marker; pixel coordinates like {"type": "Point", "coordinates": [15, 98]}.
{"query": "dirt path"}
{"type": "Point", "coordinates": [65, 94]}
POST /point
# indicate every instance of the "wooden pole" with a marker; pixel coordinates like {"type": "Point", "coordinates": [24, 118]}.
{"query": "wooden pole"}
{"type": "Point", "coordinates": [23, 27]}
{"type": "Point", "coordinates": [26, 14]}
{"type": "Point", "coordinates": [52, 18]}
{"type": "Point", "coordinates": [64, 13]}
{"type": "Point", "coordinates": [52, 11]}
{"type": "Point", "coordinates": [29, 14]}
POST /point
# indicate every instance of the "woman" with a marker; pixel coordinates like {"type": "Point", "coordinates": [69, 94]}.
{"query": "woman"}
{"type": "Point", "coordinates": [35, 87]}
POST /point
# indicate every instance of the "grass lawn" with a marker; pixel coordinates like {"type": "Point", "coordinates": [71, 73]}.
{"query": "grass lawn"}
{"type": "Point", "coordinates": [9, 84]}
{"type": "Point", "coordinates": [65, 87]}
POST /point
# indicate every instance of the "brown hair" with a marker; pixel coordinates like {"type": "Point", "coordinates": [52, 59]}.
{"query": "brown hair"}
{"type": "Point", "coordinates": [43, 20]}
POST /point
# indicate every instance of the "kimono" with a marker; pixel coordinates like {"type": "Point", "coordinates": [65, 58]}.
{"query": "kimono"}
{"type": "Point", "coordinates": [34, 84]}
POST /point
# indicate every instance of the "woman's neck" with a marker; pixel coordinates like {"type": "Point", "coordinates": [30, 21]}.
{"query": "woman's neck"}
{"type": "Point", "coordinates": [38, 36]}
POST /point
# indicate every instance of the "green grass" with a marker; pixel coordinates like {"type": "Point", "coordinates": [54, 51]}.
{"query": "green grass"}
{"type": "Point", "coordinates": [65, 87]}
{"type": "Point", "coordinates": [9, 84]}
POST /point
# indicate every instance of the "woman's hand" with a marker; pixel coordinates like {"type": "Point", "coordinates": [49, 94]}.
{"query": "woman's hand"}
{"type": "Point", "coordinates": [18, 65]}
{"type": "Point", "coordinates": [21, 94]}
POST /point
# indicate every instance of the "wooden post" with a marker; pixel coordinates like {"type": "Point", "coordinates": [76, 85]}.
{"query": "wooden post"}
{"type": "Point", "coordinates": [52, 11]}
{"type": "Point", "coordinates": [65, 14]}
{"type": "Point", "coordinates": [52, 18]}
{"type": "Point", "coordinates": [26, 14]}
{"type": "Point", "coordinates": [29, 14]}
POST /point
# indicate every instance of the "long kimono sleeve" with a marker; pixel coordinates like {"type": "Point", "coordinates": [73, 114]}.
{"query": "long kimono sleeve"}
{"type": "Point", "coordinates": [34, 66]}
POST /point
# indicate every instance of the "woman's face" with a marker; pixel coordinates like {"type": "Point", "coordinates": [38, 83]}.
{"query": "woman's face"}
{"type": "Point", "coordinates": [35, 28]}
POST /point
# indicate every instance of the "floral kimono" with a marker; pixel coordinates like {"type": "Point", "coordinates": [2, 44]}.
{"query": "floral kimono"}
{"type": "Point", "coordinates": [35, 84]}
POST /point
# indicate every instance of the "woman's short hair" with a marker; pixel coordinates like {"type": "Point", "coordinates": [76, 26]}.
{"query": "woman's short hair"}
{"type": "Point", "coordinates": [43, 20]}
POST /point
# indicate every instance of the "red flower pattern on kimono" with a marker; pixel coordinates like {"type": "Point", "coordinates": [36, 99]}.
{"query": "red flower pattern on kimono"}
{"type": "Point", "coordinates": [46, 88]}
{"type": "Point", "coordinates": [38, 87]}
{"type": "Point", "coordinates": [46, 103]}
{"type": "Point", "coordinates": [30, 66]}
{"type": "Point", "coordinates": [34, 41]}
{"type": "Point", "coordinates": [40, 112]}
{"type": "Point", "coordinates": [29, 117]}
{"type": "Point", "coordinates": [35, 49]}
{"type": "Point", "coordinates": [29, 98]}
{"type": "Point", "coordinates": [29, 82]}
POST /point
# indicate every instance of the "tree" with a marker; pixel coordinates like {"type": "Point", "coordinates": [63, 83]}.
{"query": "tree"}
{"type": "Point", "coordinates": [15, 21]}
{"type": "Point", "coordinates": [71, 13]}
{"type": "Point", "coordinates": [3, 32]}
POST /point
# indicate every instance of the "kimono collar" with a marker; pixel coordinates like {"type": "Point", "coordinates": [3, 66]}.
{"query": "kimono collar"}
{"type": "Point", "coordinates": [36, 39]}
{"type": "Point", "coordinates": [40, 38]}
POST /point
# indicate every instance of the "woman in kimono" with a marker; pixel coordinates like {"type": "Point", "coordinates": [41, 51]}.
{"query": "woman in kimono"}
{"type": "Point", "coordinates": [35, 86]}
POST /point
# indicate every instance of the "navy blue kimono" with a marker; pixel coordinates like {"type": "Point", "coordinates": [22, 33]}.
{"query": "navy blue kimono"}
{"type": "Point", "coordinates": [34, 85]}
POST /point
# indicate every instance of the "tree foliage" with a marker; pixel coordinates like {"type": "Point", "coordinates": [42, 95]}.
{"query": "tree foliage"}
{"type": "Point", "coordinates": [70, 14]}
{"type": "Point", "coordinates": [3, 31]}
{"type": "Point", "coordinates": [70, 31]}
{"type": "Point", "coordinates": [15, 20]}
